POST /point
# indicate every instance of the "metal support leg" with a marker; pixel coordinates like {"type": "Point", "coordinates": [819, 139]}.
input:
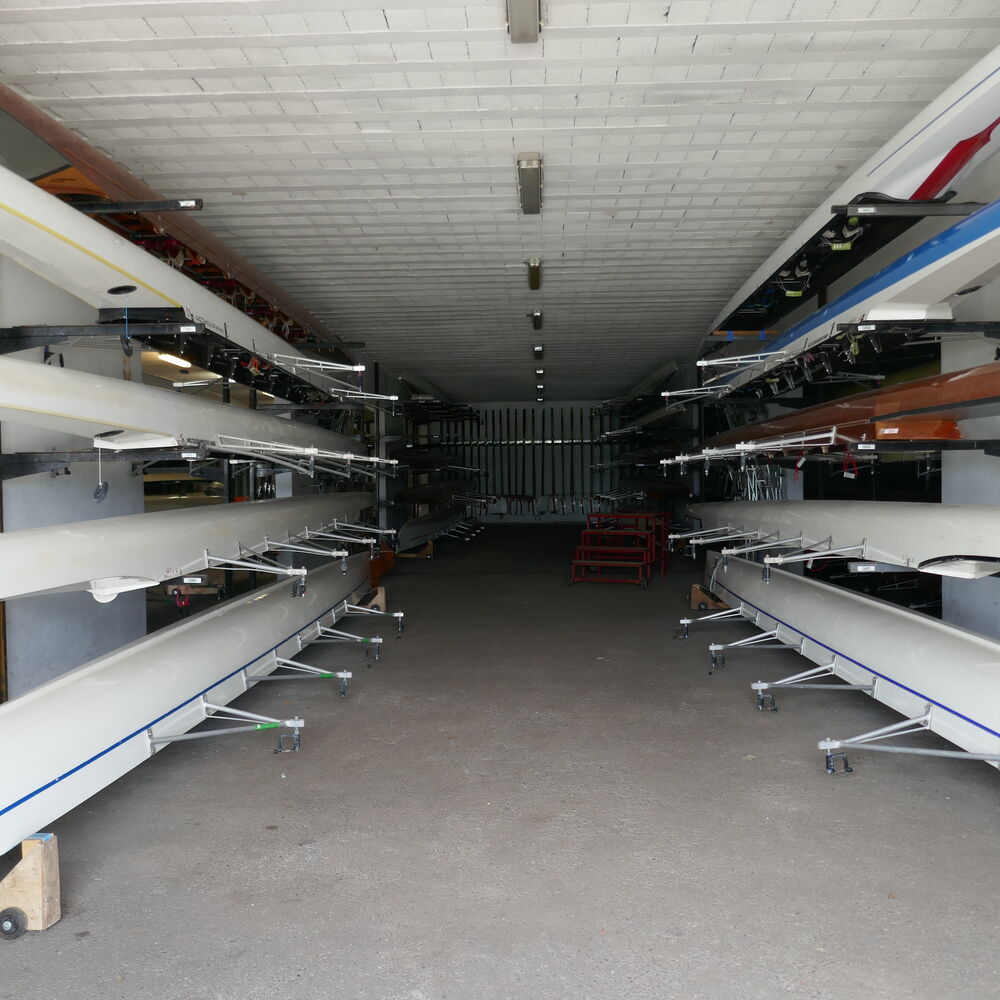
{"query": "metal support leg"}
{"type": "Point", "coordinates": [303, 671]}
{"type": "Point", "coordinates": [716, 649]}
{"type": "Point", "coordinates": [356, 609]}
{"type": "Point", "coordinates": [327, 634]}
{"type": "Point", "coordinates": [803, 680]}
{"type": "Point", "coordinates": [868, 741]}
{"type": "Point", "coordinates": [682, 632]}
{"type": "Point", "coordinates": [226, 713]}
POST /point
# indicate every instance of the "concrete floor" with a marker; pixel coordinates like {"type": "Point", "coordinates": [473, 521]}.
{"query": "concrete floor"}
{"type": "Point", "coordinates": [536, 794]}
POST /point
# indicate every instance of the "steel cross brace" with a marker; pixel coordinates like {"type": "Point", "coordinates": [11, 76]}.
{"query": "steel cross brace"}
{"type": "Point", "coordinates": [867, 741]}
{"type": "Point", "coordinates": [763, 641]}
{"type": "Point", "coordinates": [271, 448]}
{"type": "Point", "coordinates": [327, 634]}
{"type": "Point", "coordinates": [349, 526]}
{"type": "Point", "coordinates": [304, 672]}
{"type": "Point", "coordinates": [772, 543]}
{"type": "Point", "coordinates": [723, 538]}
{"type": "Point", "coordinates": [810, 556]}
{"type": "Point", "coordinates": [680, 536]}
{"type": "Point", "coordinates": [741, 360]}
{"type": "Point", "coordinates": [357, 609]}
{"type": "Point", "coordinates": [263, 566]}
{"type": "Point", "coordinates": [335, 536]}
{"type": "Point", "coordinates": [802, 680]}
{"type": "Point", "coordinates": [227, 713]}
{"type": "Point", "coordinates": [303, 466]}
{"type": "Point", "coordinates": [314, 550]}
{"type": "Point", "coordinates": [682, 632]}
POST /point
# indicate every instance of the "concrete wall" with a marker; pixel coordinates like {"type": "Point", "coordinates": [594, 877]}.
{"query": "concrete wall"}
{"type": "Point", "coordinates": [50, 634]}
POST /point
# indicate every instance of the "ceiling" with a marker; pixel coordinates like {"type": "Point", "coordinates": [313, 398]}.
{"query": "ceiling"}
{"type": "Point", "coordinates": [364, 157]}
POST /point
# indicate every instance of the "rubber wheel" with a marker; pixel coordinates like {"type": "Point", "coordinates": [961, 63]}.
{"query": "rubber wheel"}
{"type": "Point", "coordinates": [13, 923]}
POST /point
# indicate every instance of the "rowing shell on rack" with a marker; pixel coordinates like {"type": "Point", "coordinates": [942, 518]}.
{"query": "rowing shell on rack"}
{"type": "Point", "coordinates": [75, 252]}
{"type": "Point", "coordinates": [78, 733]}
{"type": "Point", "coordinates": [123, 415]}
{"type": "Point", "coordinates": [939, 677]}
{"type": "Point", "coordinates": [420, 530]}
{"type": "Point", "coordinates": [929, 409]}
{"type": "Point", "coordinates": [919, 162]}
{"type": "Point", "coordinates": [113, 555]}
{"type": "Point", "coordinates": [943, 539]}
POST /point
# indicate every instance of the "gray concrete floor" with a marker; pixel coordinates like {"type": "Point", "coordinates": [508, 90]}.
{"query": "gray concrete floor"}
{"type": "Point", "coordinates": [536, 794]}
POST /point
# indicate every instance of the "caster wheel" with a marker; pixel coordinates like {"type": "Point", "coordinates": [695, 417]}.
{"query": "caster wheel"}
{"type": "Point", "coordinates": [702, 606]}
{"type": "Point", "coordinates": [13, 923]}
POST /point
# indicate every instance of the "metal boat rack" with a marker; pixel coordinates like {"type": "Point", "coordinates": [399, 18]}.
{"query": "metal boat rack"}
{"type": "Point", "coordinates": [836, 750]}
{"type": "Point", "coordinates": [802, 616]}
{"type": "Point", "coordinates": [307, 461]}
{"type": "Point", "coordinates": [252, 722]}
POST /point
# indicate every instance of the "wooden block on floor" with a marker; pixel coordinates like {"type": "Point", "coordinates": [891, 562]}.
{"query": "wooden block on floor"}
{"type": "Point", "coordinates": [705, 600]}
{"type": "Point", "coordinates": [377, 602]}
{"type": "Point", "coordinates": [427, 552]}
{"type": "Point", "coordinates": [33, 885]}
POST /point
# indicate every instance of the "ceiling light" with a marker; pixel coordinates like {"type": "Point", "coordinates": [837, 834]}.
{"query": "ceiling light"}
{"type": "Point", "coordinates": [524, 19]}
{"type": "Point", "coordinates": [535, 273]}
{"type": "Point", "coordinates": [540, 399]}
{"type": "Point", "coordinates": [529, 182]}
{"type": "Point", "coordinates": [539, 350]}
{"type": "Point", "coordinates": [539, 372]}
{"type": "Point", "coordinates": [536, 319]}
{"type": "Point", "coordinates": [174, 360]}
{"type": "Point", "coordinates": [539, 386]}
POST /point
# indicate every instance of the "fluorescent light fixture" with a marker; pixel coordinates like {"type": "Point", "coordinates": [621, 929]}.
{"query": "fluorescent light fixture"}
{"type": "Point", "coordinates": [539, 350]}
{"type": "Point", "coordinates": [524, 20]}
{"type": "Point", "coordinates": [539, 386]}
{"type": "Point", "coordinates": [529, 182]}
{"type": "Point", "coordinates": [539, 372]}
{"type": "Point", "coordinates": [536, 319]}
{"type": "Point", "coordinates": [172, 359]}
{"type": "Point", "coordinates": [535, 273]}
{"type": "Point", "coordinates": [540, 399]}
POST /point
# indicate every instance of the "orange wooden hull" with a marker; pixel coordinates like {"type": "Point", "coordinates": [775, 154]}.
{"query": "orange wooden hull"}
{"type": "Point", "coordinates": [926, 409]}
